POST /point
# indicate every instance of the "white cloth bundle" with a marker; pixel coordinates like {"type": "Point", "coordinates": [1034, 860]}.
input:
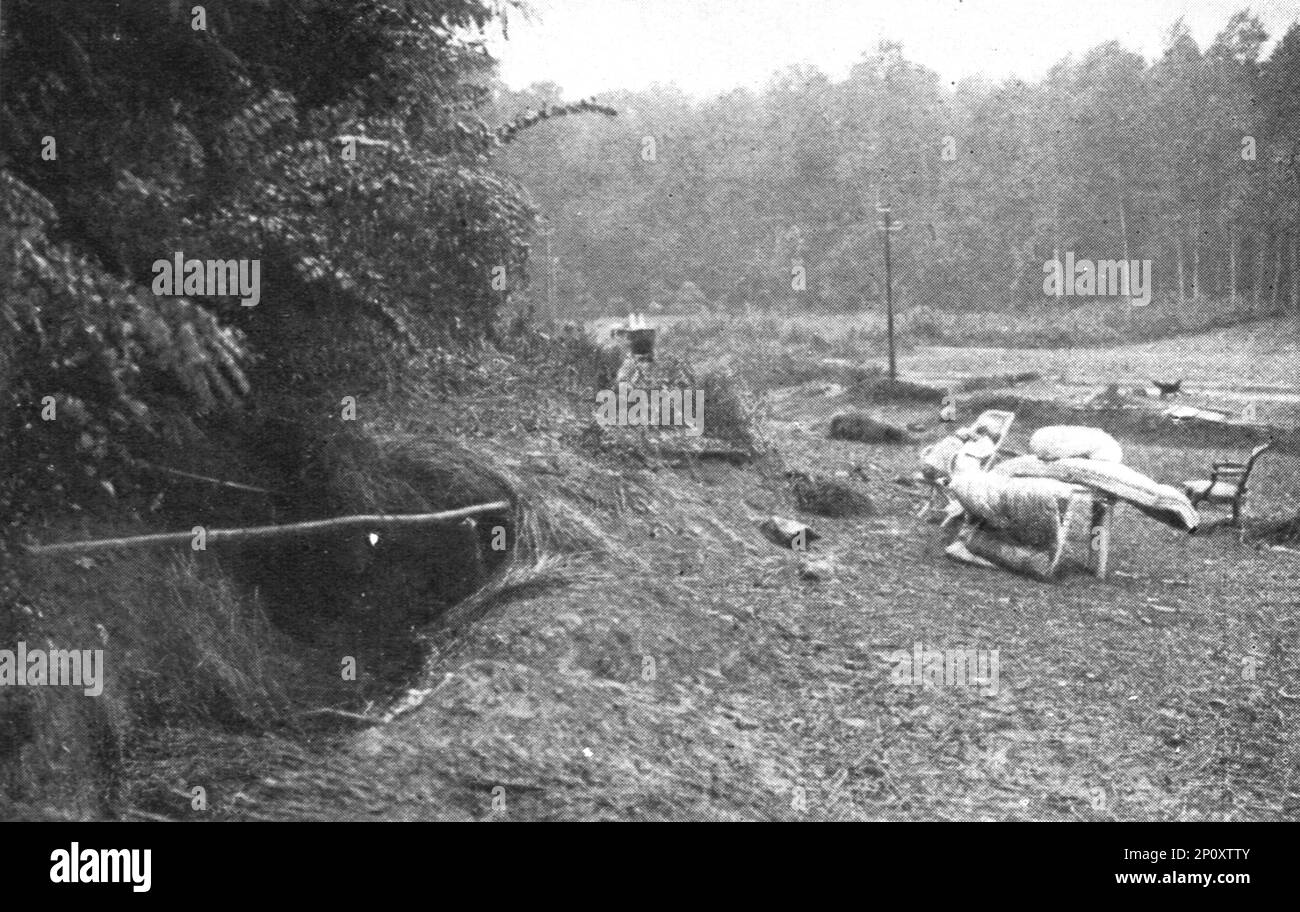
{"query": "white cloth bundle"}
{"type": "Point", "coordinates": [1028, 509]}
{"type": "Point", "coordinates": [1065, 441]}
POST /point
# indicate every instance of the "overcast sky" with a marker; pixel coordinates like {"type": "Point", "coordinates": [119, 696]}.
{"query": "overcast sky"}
{"type": "Point", "coordinates": [708, 46]}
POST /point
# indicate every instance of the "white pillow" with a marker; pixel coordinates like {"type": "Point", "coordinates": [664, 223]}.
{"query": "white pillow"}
{"type": "Point", "coordinates": [1065, 441]}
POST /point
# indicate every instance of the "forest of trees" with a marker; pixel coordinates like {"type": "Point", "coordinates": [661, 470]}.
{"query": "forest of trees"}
{"type": "Point", "coordinates": [1191, 161]}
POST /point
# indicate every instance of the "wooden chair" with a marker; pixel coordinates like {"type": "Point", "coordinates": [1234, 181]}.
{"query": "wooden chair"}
{"type": "Point", "coordinates": [1226, 484]}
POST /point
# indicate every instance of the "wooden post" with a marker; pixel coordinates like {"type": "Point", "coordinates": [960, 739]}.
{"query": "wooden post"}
{"type": "Point", "coordinates": [888, 227]}
{"type": "Point", "coordinates": [1103, 508]}
{"type": "Point", "coordinates": [255, 533]}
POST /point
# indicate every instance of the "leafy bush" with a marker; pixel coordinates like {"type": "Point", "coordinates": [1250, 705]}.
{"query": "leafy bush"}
{"type": "Point", "coordinates": [732, 413]}
{"type": "Point", "coordinates": [373, 264]}
{"type": "Point", "coordinates": [89, 359]}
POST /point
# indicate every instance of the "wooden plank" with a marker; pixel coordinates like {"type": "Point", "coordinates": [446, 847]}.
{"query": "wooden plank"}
{"type": "Point", "coordinates": [255, 533]}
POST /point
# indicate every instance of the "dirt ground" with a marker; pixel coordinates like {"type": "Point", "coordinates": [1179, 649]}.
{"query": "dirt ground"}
{"type": "Point", "coordinates": [698, 674]}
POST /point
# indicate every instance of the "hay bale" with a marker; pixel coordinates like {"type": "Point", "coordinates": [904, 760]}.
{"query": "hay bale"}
{"type": "Point", "coordinates": [862, 428]}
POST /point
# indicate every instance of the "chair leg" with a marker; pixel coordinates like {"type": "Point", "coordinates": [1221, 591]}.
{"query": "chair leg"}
{"type": "Point", "coordinates": [1099, 534]}
{"type": "Point", "coordinates": [929, 506]}
{"type": "Point", "coordinates": [1065, 514]}
{"type": "Point", "coordinates": [938, 502]}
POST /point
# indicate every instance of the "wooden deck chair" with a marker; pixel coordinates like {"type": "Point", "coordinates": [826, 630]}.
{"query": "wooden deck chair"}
{"type": "Point", "coordinates": [994, 425]}
{"type": "Point", "coordinates": [1226, 484]}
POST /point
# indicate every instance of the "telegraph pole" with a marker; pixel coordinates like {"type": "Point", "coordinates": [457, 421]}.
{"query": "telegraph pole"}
{"type": "Point", "coordinates": [887, 227]}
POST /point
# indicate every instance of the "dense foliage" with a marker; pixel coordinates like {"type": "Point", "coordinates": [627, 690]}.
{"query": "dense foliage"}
{"type": "Point", "coordinates": [1189, 160]}
{"type": "Point", "coordinates": [340, 144]}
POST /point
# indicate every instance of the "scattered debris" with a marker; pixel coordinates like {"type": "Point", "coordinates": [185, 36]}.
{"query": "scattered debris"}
{"type": "Point", "coordinates": [815, 570]}
{"type": "Point", "coordinates": [787, 533]}
{"type": "Point", "coordinates": [1109, 398]}
{"type": "Point", "coordinates": [1191, 413]}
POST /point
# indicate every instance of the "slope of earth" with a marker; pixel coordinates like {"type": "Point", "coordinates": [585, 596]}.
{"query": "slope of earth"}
{"type": "Point", "coordinates": [678, 665]}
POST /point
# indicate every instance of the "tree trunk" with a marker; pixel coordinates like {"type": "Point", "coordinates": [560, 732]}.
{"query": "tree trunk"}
{"type": "Point", "coordinates": [1232, 271]}
{"type": "Point", "coordinates": [1256, 274]}
{"type": "Point", "coordinates": [1182, 282]}
{"type": "Point", "coordinates": [1123, 228]}
{"type": "Point", "coordinates": [1277, 273]}
{"type": "Point", "coordinates": [1196, 262]}
{"type": "Point", "coordinates": [1295, 275]}
{"type": "Point", "coordinates": [1127, 301]}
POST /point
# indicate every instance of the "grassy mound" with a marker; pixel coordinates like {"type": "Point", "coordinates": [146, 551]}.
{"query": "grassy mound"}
{"type": "Point", "coordinates": [829, 496]}
{"type": "Point", "coordinates": [871, 385]}
{"type": "Point", "coordinates": [225, 662]}
{"type": "Point", "coordinates": [862, 428]}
